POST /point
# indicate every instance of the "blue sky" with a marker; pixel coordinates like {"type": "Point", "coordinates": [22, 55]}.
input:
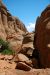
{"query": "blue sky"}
{"type": "Point", "coordinates": [26, 10]}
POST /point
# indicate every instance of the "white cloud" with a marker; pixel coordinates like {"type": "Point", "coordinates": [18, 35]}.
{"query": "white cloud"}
{"type": "Point", "coordinates": [31, 27]}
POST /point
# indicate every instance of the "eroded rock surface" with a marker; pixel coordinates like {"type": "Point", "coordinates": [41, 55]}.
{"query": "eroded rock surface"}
{"type": "Point", "coordinates": [27, 44]}
{"type": "Point", "coordinates": [20, 40]}
{"type": "Point", "coordinates": [42, 37]}
{"type": "Point", "coordinates": [11, 28]}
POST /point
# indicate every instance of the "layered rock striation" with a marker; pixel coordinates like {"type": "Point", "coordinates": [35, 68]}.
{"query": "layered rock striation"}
{"type": "Point", "coordinates": [11, 28]}
{"type": "Point", "coordinates": [42, 37]}
{"type": "Point", "coordinates": [27, 44]}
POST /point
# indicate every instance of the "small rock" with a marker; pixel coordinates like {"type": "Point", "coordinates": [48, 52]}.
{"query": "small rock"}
{"type": "Point", "coordinates": [22, 57]}
{"type": "Point", "coordinates": [23, 66]}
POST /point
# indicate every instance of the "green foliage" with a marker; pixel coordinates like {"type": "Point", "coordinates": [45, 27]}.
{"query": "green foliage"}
{"type": "Point", "coordinates": [4, 44]}
{"type": "Point", "coordinates": [5, 48]}
{"type": "Point", "coordinates": [7, 51]}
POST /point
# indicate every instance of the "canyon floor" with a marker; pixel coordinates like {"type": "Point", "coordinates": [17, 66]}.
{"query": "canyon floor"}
{"type": "Point", "coordinates": [25, 60]}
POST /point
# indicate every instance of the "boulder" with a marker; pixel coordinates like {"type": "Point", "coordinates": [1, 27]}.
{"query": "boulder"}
{"type": "Point", "coordinates": [23, 66]}
{"type": "Point", "coordinates": [27, 44]}
{"type": "Point", "coordinates": [22, 58]}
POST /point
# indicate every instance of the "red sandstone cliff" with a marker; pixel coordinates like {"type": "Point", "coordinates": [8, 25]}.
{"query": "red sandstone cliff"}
{"type": "Point", "coordinates": [42, 37]}
{"type": "Point", "coordinates": [11, 28]}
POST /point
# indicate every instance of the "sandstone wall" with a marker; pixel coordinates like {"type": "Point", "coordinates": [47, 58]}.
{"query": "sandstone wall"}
{"type": "Point", "coordinates": [11, 28]}
{"type": "Point", "coordinates": [42, 37]}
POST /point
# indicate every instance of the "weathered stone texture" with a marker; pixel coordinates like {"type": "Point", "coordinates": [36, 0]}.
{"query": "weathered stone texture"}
{"type": "Point", "coordinates": [11, 28]}
{"type": "Point", "coordinates": [42, 37]}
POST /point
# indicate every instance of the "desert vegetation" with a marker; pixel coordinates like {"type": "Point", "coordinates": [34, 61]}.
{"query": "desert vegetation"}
{"type": "Point", "coordinates": [4, 48]}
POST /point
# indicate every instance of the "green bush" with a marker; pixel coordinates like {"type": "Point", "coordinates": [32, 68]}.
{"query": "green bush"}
{"type": "Point", "coordinates": [4, 44]}
{"type": "Point", "coordinates": [7, 51]}
{"type": "Point", "coordinates": [5, 48]}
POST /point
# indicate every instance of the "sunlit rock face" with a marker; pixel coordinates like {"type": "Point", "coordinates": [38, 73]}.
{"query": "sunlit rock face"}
{"type": "Point", "coordinates": [11, 28]}
{"type": "Point", "coordinates": [27, 44]}
{"type": "Point", "coordinates": [2, 19]}
{"type": "Point", "coordinates": [42, 37]}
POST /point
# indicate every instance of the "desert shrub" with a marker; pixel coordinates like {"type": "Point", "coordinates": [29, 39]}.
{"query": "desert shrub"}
{"type": "Point", "coordinates": [3, 44]}
{"type": "Point", "coordinates": [4, 48]}
{"type": "Point", "coordinates": [7, 51]}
